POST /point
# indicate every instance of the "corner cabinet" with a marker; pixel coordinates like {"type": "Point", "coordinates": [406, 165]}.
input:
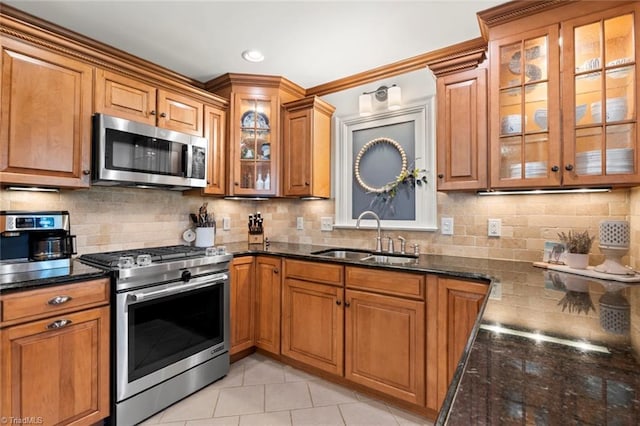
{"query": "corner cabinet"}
{"type": "Point", "coordinates": [563, 122]}
{"type": "Point", "coordinates": [254, 148]}
{"type": "Point", "coordinates": [45, 109]}
{"type": "Point", "coordinates": [306, 146]}
{"type": "Point", "coordinates": [54, 367]}
{"type": "Point", "coordinates": [254, 159]}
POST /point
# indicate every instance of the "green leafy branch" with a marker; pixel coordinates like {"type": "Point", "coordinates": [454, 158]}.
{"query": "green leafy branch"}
{"type": "Point", "coordinates": [407, 180]}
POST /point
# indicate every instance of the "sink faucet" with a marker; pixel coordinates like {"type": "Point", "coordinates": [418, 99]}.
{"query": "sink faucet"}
{"type": "Point", "coordinates": [375, 216]}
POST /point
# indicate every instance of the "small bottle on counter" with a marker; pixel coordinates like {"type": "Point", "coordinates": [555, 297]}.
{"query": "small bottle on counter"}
{"type": "Point", "coordinates": [267, 182]}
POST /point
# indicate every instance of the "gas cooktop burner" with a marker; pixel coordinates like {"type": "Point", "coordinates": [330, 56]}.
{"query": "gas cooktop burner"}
{"type": "Point", "coordinates": [158, 254]}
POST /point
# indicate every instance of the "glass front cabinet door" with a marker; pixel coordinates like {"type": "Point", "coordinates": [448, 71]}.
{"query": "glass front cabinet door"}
{"type": "Point", "coordinates": [256, 147]}
{"type": "Point", "coordinates": [600, 98]}
{"type": "Point", "coordinates": [525, 125]}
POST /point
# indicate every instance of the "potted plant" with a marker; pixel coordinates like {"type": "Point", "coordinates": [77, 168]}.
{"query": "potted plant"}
{"type": "Point", "coordinates": [578, 245]}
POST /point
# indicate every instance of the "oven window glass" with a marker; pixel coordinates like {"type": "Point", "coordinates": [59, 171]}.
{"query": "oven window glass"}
{"type": "Point", "coordinates": [135, 153]}
{"type": "Point", "coordinates": [166, 330]}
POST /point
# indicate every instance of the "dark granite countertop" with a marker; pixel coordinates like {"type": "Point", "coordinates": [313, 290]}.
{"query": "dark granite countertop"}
{"type": "Point", "coordinates": [548, 348]}
{"type": "Point", "coordinates": [30, 280]}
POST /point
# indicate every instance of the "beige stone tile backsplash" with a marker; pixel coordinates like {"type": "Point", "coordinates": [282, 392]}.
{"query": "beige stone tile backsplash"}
{"type": "Point", "coordinates": [118, 218]}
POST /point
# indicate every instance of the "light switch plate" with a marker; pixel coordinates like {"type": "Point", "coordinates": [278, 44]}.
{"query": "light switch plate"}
{"type": "Point", "coordinates": [226, 224]}
{"type": "Point", "coordinates": [326, 224]}
{"type": "Point", "coordinates": [299, 223]}
{"type": "Point", "coordinates": [446, 226]}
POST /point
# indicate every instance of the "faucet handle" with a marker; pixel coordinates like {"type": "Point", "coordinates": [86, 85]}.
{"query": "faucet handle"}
{"type": "Point", "coordinates": [403, 242]}
{"type": "Point", "coordinates": [378, 244]}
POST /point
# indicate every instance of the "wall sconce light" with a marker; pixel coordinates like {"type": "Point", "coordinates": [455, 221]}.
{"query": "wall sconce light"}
{"type": "Point", "coordinates": [393, 96]}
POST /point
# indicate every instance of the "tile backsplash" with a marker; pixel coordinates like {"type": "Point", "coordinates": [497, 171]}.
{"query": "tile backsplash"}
{"type": "Point", "coordinates": [118, 218]}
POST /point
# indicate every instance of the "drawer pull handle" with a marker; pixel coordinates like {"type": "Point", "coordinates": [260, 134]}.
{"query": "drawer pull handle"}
{"type": "Point", "coordinates": [59, 300]}
{"type": "Point", "coordinates": [59, 324]}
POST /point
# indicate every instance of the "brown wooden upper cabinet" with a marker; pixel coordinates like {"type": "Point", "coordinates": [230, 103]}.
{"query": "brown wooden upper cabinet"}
{"type": "Point", "coordinates": [136, 100]}
{"type": "Point", "coordinates": [254, 130]}
{"type": "Point", "coordinates": [306, 148]}
{"type": "Point", "coordinates": [581, 131]}
{"type": "Point", "coordinates": [461, 127]}
{"type": "Point", "coordinates": [215, 122]}
{"type": "Point", "coordinates": [45, 130]}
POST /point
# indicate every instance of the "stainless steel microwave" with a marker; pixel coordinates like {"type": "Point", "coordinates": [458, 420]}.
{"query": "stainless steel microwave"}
{"type": "Point", "coordinates": [127, 153]}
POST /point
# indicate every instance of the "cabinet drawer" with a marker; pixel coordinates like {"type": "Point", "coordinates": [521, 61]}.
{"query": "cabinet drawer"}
{"type": "Point", "coordinates": [390, 282]}
{"type": "Point", "coordinates": [313, 271]}
{"type": "Point", "coordinates": [39, 303]}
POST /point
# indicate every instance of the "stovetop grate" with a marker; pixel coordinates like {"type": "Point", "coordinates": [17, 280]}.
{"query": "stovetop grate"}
{"type": "Point", "coordinates": [158, 254]}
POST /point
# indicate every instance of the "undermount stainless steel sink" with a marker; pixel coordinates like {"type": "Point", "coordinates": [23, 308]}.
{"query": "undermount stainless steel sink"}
{"type": "Point", "coordinates": [383, 259]}
{"type": "Point", "coordinates": [365, 256]}
{"type": "Point", "coordinates": [352, 254]}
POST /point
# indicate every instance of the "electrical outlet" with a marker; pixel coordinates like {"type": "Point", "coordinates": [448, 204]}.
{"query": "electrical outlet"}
{"type": "Point", "coordinates": [496, 291]}
{"type": "Point", "coordinates": [299, 223]}
{"type": "Point", "coordinates": [446, 225]}
{"type": "Point", "coordinates": [494, 228]}
{"type": "Point", "coordinates": [326, 224]}
{"type": "Point", "coordinates": [226, 224]}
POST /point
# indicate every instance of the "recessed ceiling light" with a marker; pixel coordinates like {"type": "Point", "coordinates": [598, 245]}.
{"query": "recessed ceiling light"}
{"type": "Point", "coordinates": [253, 55]}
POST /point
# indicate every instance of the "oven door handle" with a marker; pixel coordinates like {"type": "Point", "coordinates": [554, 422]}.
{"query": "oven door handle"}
{"type": "Point", "coordinates": [141, 296]}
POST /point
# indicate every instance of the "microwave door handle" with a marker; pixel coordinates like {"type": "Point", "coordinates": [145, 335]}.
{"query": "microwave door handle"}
{"type": "Point", "coordinates": [188, 158]}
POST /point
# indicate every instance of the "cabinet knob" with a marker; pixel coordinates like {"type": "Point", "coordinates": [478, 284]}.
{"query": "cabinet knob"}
{"type": "Point", "coordinates": [59, 324]}
{"type": "Point", "coordinates": [86, 172]}
{"type": "Point", "coordinates": [152, 112]}
{"type": "Point", "coordinates": [59, 300]}
{"type": "Point", "coordinates": [306, 184]}
{"type": "Point", "coordinates": [347, 304]}
{"type": "Point", "coordinates": [568, 167]}
{"type": "Point", "coordinates": [236, 183]}
{"type": "Point", "coordinates": [338, 302]}
{"type": "Point", "coordinates": [163, 115]}
{"type": "Point", "coordinates": [555, 168]}
{"type": "Point", "coordinates": [440, 175]}
{"type": "Point", "coordinates": [276, 271]}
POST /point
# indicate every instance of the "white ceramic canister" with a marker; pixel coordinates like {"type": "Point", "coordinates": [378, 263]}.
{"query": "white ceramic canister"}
{"type": "Point", "coordinates": [205, 236]}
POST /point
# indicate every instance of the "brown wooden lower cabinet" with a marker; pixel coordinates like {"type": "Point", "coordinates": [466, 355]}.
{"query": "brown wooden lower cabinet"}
{"type": "Point", "coordinates": [385, 344]}
{"type": "Point", "coordinates": [242, 309]}
{"type": "Point", "coordinates": [55, 370]}
{"type": "Point", "coordinates": [313, 324]}
{"type": "Point", "coordinates": [268, 295]}
{"type": "Point", "coordinates": [458, 306]}
{"type": "Point", "coordinates": [399, 333]}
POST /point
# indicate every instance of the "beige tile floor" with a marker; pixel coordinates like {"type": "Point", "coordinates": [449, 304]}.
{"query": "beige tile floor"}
{"type": "Point", "coordinates": [259, 391]}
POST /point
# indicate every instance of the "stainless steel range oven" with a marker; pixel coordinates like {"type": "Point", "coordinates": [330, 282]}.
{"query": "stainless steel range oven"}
{"type": "Point", "coordinates": [171, 322]}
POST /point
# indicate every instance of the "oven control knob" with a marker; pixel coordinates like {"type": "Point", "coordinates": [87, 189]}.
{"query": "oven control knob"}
{"type": "Point", "coordinates": [186, 276]}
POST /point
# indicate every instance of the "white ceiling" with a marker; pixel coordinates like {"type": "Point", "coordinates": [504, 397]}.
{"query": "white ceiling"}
{"type": "Point", "coordinates": [308, 42]}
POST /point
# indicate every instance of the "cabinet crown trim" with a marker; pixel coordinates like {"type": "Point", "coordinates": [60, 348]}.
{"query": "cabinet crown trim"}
{"type": "Point", "coordinates": [458, 57]}
{"type": "Point", "coordinates": [310, 101]}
